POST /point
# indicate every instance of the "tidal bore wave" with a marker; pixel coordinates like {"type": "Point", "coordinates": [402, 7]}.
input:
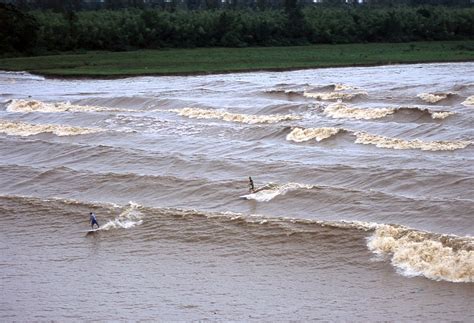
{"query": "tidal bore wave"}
{"type": "Point", "coordinates": [26, 106]}
{"type": "Point", "coordinates": [363, 179]}
{"type": "Point", "coordinates": [469, 101]}
{"type": "Point", "coordinates": [24, 129]}
{"type": "Point", "coordinates": [301, 135]}
{"type": "Point", "coordinates": [319, 134]}
{"type": "Point", "coordinates": [341, 110]}
{"type": "Point", "coordinates": [336, 95]}
{"type": "Point", "coordinates": [413, 252]}
{"type": "Point", "coordinates": [435, 97]}
{"type": "Point", "coordinates": [232, 117]}
{"type": "Point", "coordinates": [271, 190]}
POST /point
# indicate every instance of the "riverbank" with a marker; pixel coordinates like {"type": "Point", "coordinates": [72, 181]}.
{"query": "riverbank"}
{"type": "Point", "coordinates": [229, 60]}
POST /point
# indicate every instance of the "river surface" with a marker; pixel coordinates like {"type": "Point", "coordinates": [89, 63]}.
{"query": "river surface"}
{"type": "Point", "coordinates": [363, 204]}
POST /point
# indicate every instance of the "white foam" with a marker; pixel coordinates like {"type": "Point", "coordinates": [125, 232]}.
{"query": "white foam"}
{"type": "Point", "coordinates": [333, 96]}
{"type": "Point", "coordinates": [129, 218]}
{"type": "Point", "coordinates": [434, 97]}
{"type": "Point", "coordinates": [342, 87]}
{"type": "Point", "coordinates": [419, 253]}
{"type": "Point", "coordinates": [270, 191]}
{"type": "Point", "coordinates": [52, 107]}
{"type": "Point", "coordinates": [397, 143]}
{"type": "Point", "coordinates": [300, 134]}
{"type": "Point", "coordinates": [469, 101]}
{"type": "Point", "coordinates": [24, 129]}
{"type": "Point", "coordinates": [433, 114]}
{"type": "Point", "coordinates": [340, 110]}
{"type": "Point", "coordinates": [440, 114]}
{"type": "Point", "coordinates": [233, 117]}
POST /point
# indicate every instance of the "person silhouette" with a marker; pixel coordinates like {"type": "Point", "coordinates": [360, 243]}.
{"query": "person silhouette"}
{"type": "Point", "coordinates": [251, 186]}
{"type": "Point", "coordinates": [93, 220]}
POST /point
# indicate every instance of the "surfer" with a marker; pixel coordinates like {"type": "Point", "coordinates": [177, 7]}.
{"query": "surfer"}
{"type": "Point", "coordinates": [251, 186]}
{"type": "Point", "coordinates": [93, 220]}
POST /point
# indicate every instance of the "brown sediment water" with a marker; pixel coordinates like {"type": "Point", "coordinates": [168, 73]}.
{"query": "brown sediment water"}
{"type": "Point", "coordinates": [363, 209]}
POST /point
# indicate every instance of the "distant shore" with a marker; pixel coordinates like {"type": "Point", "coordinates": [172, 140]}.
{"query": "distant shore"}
{"type": "Point", "coordinates": [200, 61]}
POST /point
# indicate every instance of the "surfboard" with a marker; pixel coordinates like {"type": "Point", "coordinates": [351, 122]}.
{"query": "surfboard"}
{"type": "Point", "coordinates": [255, 191]}
{"type": "Point", "coordinates": [93, 230]}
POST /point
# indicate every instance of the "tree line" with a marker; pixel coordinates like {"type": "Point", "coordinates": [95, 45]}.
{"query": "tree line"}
{"type": "Point", "coordinates": [43, 32]}
{"type": "Point", "coordinates": [75, 5]}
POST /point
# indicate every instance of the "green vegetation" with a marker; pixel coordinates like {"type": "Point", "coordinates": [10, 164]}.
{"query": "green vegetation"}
{"type": "Point", "coordinates": [46, 32]}
{"type": "Point", "coordinates": [215, 60]}
{"type": "Point", "coordinates": [134, 41]}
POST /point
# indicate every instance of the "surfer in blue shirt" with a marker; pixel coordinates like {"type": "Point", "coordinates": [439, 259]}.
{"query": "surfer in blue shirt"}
{"type": "Point", "coordinates": [93, 220]}
{"type": "Point", "coordinates": [251, 186]}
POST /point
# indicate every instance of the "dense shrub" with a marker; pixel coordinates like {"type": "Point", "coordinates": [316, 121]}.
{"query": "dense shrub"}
{"type": "Point", "coordinates": [128, 29]}
{"type": "Point", "coordinates": [18, 31]}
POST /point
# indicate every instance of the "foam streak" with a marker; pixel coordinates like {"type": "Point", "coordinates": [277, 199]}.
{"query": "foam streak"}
{"type": "Point", "coordinates": [300, 134]}
{"type": "Point", "coordinates": [26, 129]}
{"type": "Point", "coordinates": [233, 117]}
{"type": "Point", "coordinates": [38, 106]}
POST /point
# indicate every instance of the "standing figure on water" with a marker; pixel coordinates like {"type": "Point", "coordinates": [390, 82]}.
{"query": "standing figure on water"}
{"type": "Point", "coordinates": [93, 220]}
{"type": "Point", "coordinates": [251, 186]}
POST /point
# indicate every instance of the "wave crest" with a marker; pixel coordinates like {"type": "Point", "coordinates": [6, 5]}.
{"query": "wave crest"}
{"type": "Point", "coordinates": [39, 106]}
{"type": "Point", "coordinates": [301, 134]}
{"type": "Point", "coordinates": [340, 110]}
{"type": "Point", "coordinates": [233, 117]}
{"type": "Point", "coordinates": [270, 191]}
{"type": "Point", "coordinates": [397, 143]}
{"type": "Point", "coordinates": [128, 218]}
{"type": "Point", "coordinates": [26, 129]}
{"type": "Point", "coordinates": [440, 114]}
{"type": "Point", "coordinates": [469, 101]}
{"type": "Point", "coordinates": [342, 87]}
{"type": "Point", "coordinates": [414, 252]}
{"type": "Point", "coordinates": [421, 253]}
{"type": "Point", "coordinates": [434, 97]}
{"type": "Point", "coordinates": [340, 93]}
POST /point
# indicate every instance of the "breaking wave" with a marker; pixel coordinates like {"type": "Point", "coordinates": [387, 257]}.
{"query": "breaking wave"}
{"type": "Point", "coordinates": [270, 191]}
{"type": "Point", "coordinates": [24, 129]}
{"type": "Point", "coordinates": [342, 87]}
{"type": "Point", "coordinates": [432, 113]}
{"type": "Point", "coordinates": [469, 101]}
{"type": "Point", "coordinates": [440, 114]}
{"type": "Point", "coordinates": [397, 143]}
{"type": "Point", "coordinates": [341, 110]}
{"type": "Point", "coordinates": [434, 97]}
{"type": "Point", "coordinates": [300, 90]}
{"type": "Point", "coordinates": [287, 92]}
{"type": "Point", "coordinates": [128, 218]}
{"type": "Point", "coordinates": [339, 93]}
{"type": "Point", "coordinates": [233, 117]}
{"type": "Point", "coordinates": [301, 135]}
{"type": "Point", "coordinates": [38, 106]}
{"type": "Point", "coordinates": [414, 253]}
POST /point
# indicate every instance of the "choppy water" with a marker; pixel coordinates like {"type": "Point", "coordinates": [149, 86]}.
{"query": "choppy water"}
{"type": "Point", "coordinates": [365, 209]}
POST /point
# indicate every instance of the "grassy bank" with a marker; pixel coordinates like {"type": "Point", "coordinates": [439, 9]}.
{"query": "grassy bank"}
{"type": "Point", "coordinates": [222, 60]}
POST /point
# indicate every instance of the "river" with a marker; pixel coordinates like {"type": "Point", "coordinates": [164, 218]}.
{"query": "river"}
{"type": "Point", "coordinates": [362, 210]}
